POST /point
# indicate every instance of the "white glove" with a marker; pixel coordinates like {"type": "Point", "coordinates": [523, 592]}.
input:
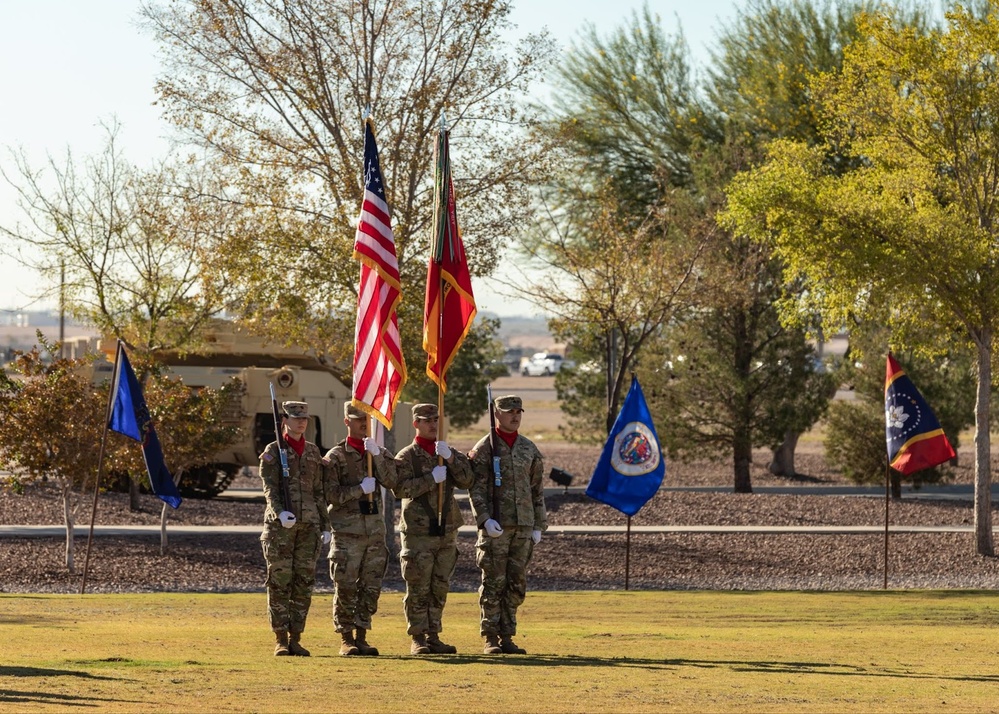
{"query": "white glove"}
{"type": "Point", "coordinates": [493, 529]}
{"type": "Point", "coordinates": [443, 449]}
{"type": "Point", "coordinates": [371, 446]}
{"type": "Point", "coordinates": [287, 519]}
{"type": "Point", "coordinates": [536, 537]}
{"type": "Point", "coordinates": [368, 484]}
{"type": "Point", "coordinates": [327, 537]}
{"type": "Point", "coordinates": [439, 473]}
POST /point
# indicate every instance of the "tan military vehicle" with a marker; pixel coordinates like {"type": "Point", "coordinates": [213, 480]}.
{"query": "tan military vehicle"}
{"type": "Point", "coordinates": [296, 376]}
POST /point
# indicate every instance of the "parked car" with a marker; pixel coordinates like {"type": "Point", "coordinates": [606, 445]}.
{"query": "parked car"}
{"type": "Point", "coordinates": [544, 364]}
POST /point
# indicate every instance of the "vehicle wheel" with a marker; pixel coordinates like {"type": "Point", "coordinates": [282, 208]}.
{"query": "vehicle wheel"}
{"type": "Point", "coordinates": [525, 373]}
{"type": "Point", "coordinates": [207, 481]}
{"type": "Point", "coordinates": [548, 372]}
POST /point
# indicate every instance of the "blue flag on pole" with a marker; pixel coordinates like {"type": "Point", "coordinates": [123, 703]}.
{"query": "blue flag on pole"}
{"type": "Point", "coordinates": [631, 467]}
{"type": "Point", "coordinates": [129, 416]}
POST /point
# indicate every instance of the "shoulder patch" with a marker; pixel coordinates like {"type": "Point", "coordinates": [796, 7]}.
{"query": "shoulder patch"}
{"type": "Point", "coordinates": [267, 456]}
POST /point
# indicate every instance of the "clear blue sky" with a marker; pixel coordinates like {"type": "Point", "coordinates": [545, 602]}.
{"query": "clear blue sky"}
{"type": "Point", "coordinates": [66, 65]}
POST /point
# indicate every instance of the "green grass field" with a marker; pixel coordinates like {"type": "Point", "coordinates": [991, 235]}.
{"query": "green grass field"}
{"type": "Point", "coordinates": [906, 651]}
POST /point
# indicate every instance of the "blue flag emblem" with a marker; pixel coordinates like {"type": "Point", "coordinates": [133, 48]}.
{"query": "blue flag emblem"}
{"type": "Point", "coordinates": [130, 416]}
{"type": "Point", "coordinates": [631, 467]}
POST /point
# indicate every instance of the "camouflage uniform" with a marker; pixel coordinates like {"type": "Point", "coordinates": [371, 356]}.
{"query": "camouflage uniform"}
{"type": "Point", "coordinates": [358, 555]}
{"type": "Point", "coordinates": [503, 560]}
{"type": "Point", "coordinates": [428, 557]}
{"type": "Point", "coordinates": [291, 553]}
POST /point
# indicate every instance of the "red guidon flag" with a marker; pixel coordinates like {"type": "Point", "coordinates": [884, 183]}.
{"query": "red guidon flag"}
{"type": "Point", "coordinates": [915, 439]}
{"type": "Point", "coordinates": [379, 367]}
{"type": "Point", "coordinates": [450, 305]}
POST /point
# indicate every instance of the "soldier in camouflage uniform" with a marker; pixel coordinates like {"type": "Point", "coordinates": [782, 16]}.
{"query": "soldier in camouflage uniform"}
{"type": "Point", "coordinates": [358, 556]}
{"type": "Point", "coordinates": [428, 553]}
{"type": "Point", "coordinates": [505, 545]}
{"type": "Point", "coordinates": [292, 531]}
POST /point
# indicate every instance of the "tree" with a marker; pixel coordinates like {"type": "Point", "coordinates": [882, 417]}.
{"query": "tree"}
{"type": "Point", "coordinates": [132, 245]}
{"type": "Point", "coordinates": [913, 225]}
{"type": "Point", "coordinates": [610, 289]}
{"type": "Point", "coordinates": [129, 243]}
{"type": "Point", "coordinates": [276, 90]}
{"type": "Point", "coordinates": [632, 111]}
{"type": "Point", "coordinates": [733, 377]}
{"type": "Point", "coordinates": [51, 422]}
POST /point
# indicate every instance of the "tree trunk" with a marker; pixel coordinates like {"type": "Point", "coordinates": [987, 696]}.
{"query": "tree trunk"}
{"type": "Point", "coordinates": [134, 503]}
{"type": "Point", "coordinates": [742, 451]}
{"type": "Point", "coordinates": [68, 520]}
{"type": "Point", "coordinates": [164, 544]}
{"type": "Point", "coordinates": [783, 458]}
{"type": "Point", "coordinates": [983, 459]}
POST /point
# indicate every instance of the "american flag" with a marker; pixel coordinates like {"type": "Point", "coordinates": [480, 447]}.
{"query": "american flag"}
{"type": "Point", "coordinates": [379, 367]}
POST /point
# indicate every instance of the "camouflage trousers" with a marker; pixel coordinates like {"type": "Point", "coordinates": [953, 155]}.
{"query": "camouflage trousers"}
{"type": "Point", "coordinates": [503, 562]}
{"type": "Point", "coordinates": [427, 566]}
{"type": "Point", "coordinates": [291, 555]}
{"type": "Point", "coordinates": [357, 566]}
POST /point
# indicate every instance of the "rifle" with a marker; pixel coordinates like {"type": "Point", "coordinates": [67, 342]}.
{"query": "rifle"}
{"type": "Point", "coordinates": [283, 449]}
{"type": "Point", "coordinates": [497, 477]}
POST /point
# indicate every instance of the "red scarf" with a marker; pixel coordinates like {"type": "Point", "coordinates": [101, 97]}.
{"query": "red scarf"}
{"type": "Point", "coordinates": [298, 446]}
{"type": "Point", "coordinates": [357, 444]}
{"type": "Point", "coordinates": [428, 445]}
{"type": "Point", "coordinates": [508, 438]}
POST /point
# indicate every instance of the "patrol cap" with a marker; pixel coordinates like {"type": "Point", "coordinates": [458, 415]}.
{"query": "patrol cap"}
{"type": "Point", "coordinates": [424, 411]}
{"type": "Point", "coordinates": [509, 403]}
{"type": "Point", "coordinates": [295, 409]}
{"type": "Point", "coordinates": [352, 412]}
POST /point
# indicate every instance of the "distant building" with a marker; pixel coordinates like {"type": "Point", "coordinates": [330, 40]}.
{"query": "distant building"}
{"type": "Point", "coordinates": [19, 330]}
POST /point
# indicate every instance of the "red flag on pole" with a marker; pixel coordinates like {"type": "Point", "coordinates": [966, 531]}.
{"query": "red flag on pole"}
{"type": "Point", "coordinates": [450, 305]}
{"type": "Point", "coordinates": [913, 434]}
{"type": "Point", "coordinates": [379, 366]}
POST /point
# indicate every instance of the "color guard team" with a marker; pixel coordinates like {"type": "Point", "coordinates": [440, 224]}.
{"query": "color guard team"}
{"type": "Point", "coordinates": [335, 501]}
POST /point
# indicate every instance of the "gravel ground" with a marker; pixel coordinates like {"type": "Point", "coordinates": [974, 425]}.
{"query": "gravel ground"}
{"type": "Point", "coordinates": [738, 561]}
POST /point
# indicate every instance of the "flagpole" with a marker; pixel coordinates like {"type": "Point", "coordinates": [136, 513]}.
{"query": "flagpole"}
{"type": "Point", "coordinates": [440, 404]}
{"type": "Point", "coordinates": [627, 554]}
{"type": "Point", "coordinates": [440, 367]}
{"type": "Point", "coordinates": [887, 500]}
{"type": "Point", "coordinates": [100, 465]}
{"type": "Point", "coordinates": [371, 466]}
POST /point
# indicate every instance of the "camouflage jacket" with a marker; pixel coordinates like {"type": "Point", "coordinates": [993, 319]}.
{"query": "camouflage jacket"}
{"type": "Point", "coordinates": [305, 485]}
{"type": "Point", "coordinates": [418, 491]}
{"type": "Point", "coordinates": [345, 467]}
{"type": "Point", "coordinates": [522, 496]}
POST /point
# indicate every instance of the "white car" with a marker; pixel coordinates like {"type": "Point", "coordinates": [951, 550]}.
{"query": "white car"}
{"type": "Point", "coordinates": [544, 364]}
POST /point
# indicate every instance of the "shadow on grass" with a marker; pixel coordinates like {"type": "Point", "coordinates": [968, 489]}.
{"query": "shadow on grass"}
{"type": "Point", "coordinates": [14, 671]}
{"type": "Point", "coordinates": [759, 666]}
{"type": "Point", "coordinates": [833, 669]}
{"type": "Point", "coordinates": [13, 696]}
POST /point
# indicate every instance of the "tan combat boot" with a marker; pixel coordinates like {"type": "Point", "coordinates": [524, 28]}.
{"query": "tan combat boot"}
{"type": "Point", "coordinates": [419, 646]}
{"type": "Point", "coordinates": [362, 644]}
{"type": "Point", "coordinates": [281, 648]}
{"type": "Point", "coordinates": [492, 645]}
{"type": "Point", "coordinates": [438, 647]}
{"type": "Point", "coordinates": [294, 647]}
{"type": "Point", "coordinates": [348, 648]}
{"type": "Point", "coordinates": [509, 646]}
